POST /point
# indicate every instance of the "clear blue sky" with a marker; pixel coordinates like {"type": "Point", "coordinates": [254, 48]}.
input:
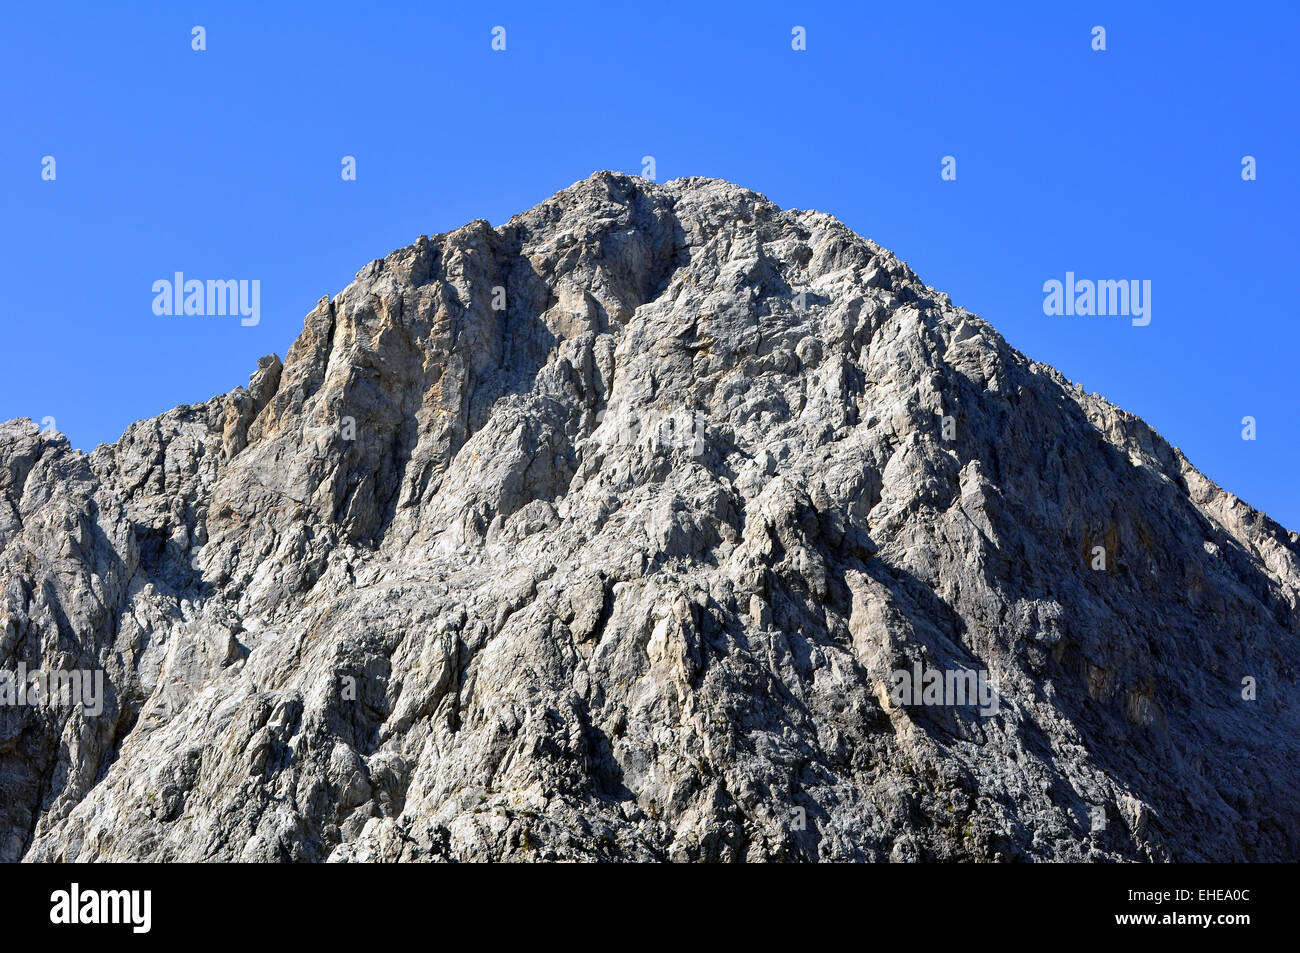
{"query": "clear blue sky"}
{"type": "Point", "coordinates": [226, 164]}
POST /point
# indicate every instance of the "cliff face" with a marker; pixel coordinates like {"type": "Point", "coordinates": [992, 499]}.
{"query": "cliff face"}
{"type": "Point", "coordinates": [603, 534]}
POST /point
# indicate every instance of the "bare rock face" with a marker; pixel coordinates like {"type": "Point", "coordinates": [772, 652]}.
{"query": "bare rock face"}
{"type": "Point", "coordinates": [603, 535]}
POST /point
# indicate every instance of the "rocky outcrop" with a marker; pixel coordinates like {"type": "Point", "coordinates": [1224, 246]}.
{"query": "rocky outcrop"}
{"type": "Point", "coordinates": [602, 535]}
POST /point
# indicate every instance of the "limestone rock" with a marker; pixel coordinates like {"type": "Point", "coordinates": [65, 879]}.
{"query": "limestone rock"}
{"type": "Point", "coordinates": [601, 535]}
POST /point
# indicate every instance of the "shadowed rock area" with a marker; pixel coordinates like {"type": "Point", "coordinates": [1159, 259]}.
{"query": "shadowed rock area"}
{"type": "Point", "coordinates": [599, 535]}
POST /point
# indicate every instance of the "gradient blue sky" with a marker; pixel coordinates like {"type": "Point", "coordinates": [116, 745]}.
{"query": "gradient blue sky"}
{"type": "Point", "coordinates": [225, 164]}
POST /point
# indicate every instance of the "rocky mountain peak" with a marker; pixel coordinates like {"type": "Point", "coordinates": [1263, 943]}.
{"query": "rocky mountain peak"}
{"type": "Point", "coordinates": [642, 527]}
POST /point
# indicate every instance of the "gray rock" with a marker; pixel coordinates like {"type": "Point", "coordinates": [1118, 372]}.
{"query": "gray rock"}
{"type": "Point", "coordinates": [623, 570]}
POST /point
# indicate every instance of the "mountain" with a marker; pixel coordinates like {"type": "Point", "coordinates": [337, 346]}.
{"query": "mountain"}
{"type": "Point", "coordinates": [659, 523]}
